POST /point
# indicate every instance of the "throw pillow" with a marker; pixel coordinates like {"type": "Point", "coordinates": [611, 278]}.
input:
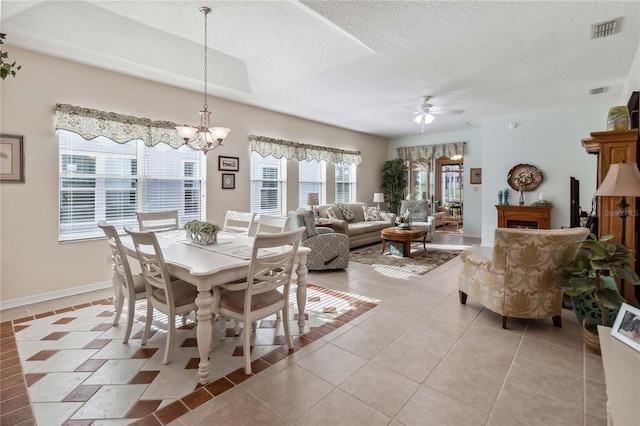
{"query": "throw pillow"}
{"type": "Point", "coordinates": [331, 214]}
{"type": "Point", "coordinates": [371, 213]}
{"type": "Point", "coordinates": [346, 212]}
{"type": "Point", "coordinates": [307, 218]}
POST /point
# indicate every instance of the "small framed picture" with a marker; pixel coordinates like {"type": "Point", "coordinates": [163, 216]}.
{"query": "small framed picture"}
{"type": "Point", "coordinates": [627, 326]}
{"type": "Point", "coordinates": [231, 164]}
{"type": "Point", "coordinates": [228, 181]}
{"type": "Point", "coordinates": [11, 159]}
{"type": "Point", "coordinates": [475, 176]}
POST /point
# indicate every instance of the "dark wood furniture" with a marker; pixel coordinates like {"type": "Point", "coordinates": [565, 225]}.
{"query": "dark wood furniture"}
{"type": "Point", "coordinates": [526, 217]}
{"type": "Point", "coordinates": [404, 236]}
{"type": "Point", "coordinates": [615, 147]}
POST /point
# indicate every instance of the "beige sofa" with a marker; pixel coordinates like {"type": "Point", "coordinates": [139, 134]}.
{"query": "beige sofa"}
{"type": "Point", "coordinates": [359, 230]}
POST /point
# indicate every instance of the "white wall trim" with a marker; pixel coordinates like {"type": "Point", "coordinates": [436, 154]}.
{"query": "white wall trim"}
{"type": "Point", "coordinates": [44, 297]}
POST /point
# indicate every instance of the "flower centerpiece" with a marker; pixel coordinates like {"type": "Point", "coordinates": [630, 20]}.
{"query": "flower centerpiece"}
{"type": "Point", "coordinates": [403, 220]}
{"type": "Point", "coordinates": [523, 179]}
{"type": "Point", "coordinates": [202, 232]}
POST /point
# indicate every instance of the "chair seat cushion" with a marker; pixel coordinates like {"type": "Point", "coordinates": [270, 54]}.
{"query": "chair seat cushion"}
{"type": "Point", "coordinates": [138, 283]}
{"type": "Point", "coordinates": [234, 300]}
{"type": "Point", "coordinates": [183, 293]}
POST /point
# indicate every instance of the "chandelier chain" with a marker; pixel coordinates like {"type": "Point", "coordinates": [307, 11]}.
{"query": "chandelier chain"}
{"type": "Point", "coordinates": [206, 13]}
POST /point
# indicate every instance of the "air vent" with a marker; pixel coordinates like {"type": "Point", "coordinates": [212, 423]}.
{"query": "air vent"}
{"type": "Point", "coordinates": [599, 90]}
{"type": "Point", "coordinates": [604, 29]}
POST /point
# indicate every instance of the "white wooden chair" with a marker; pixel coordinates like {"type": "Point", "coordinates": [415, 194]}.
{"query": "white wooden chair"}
{"type": "Point", "coordinates": [239, 223]}
{"type": "Point", "coordinates": [259, 296]}
{"type": "Point", "coordinates": [130, 286]}
{"type": "Point", "coordinates": [158, 221]}
{"type": "Point", "coordinates": [272, 224]}
{"type": "Point", "coordinates": [172, 297]}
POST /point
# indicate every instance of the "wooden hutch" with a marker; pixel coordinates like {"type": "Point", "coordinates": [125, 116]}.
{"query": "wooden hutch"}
{"type": "Point", "coordinates": [612, 147]}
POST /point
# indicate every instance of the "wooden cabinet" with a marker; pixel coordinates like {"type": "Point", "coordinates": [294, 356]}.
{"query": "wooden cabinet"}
{"type": "Point", "coordinates": [524, 217]}
{"type": "Point", "coordinates": [615, 147]}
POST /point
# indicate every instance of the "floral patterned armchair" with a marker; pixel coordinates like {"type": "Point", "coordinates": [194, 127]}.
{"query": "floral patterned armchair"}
{"type": "Point", "coordinates": [519, 276]}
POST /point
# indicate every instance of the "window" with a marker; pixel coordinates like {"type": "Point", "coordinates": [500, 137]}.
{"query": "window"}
{"type": "Point", "coordinates": [345, 182]}
{"type": "Point", "coordinates": [312, 178]}
{"type": "Point", "coordinates": [104, 180]}
{"type": "Point", "coordinates": [268, 177]}
{"type": "Point", "coordinates": [451, 183]}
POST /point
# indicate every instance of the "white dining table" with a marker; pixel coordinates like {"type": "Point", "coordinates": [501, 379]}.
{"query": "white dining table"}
{"type": "Point", "coordinates": [208, 266]}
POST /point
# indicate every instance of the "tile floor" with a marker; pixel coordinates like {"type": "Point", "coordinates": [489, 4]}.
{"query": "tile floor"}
{"type": "Point", "coordinates": [417, 358]}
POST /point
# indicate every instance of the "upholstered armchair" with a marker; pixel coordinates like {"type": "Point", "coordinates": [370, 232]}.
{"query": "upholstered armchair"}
{"type": "Point", "coordinates": [519, 276]}
{"type": "Point", "coordinates": [419, 215]}
{"type": "Point", "coordinates": [329, 249]}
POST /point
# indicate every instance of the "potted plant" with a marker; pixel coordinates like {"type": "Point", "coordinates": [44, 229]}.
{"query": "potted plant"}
{"type": "Point", "coordinates": [394, 181]}
{"type": "Point", "coordinates": [202, 232]}
{"type": "Point", "coordinates": [590, 280]}
{"type": "Point", "coordinates": [7, 68]}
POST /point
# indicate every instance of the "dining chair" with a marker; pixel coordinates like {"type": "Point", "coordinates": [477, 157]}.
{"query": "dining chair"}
{"type": "Point", "coordinates": [266, 289]}
{"type": "Point", "coordinates": [158, 221]}
{"type": "Point", "coordinates": [171, 297]}
{"type": "Point", "coordinates": [240, 223]}
{"type": "Point", "coordinates": [130, 286]}
{"type": "Point", "coordinates": [272, 224]}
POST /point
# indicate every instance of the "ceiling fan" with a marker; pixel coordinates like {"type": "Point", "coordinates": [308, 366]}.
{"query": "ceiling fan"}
{"type": "Point", "coordinates": [426, 111]}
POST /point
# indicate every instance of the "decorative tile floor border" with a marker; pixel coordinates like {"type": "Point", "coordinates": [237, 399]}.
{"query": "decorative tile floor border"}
{"type": "Point", "coordinates": [16, 407]}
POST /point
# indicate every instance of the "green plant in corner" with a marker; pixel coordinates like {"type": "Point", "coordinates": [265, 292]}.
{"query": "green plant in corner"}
{"type": "Point", "coordinates": [394, 181]}
{"type": "Point", "coordinates": [589, 279]}
{"type": "Point", "coordinates": [7, 68]}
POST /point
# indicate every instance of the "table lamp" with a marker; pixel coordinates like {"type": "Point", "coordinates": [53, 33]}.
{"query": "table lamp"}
{"type": "Point", "coordinates": [378, 197]}
{"type": "Point", "coordinates": [622, 180]}
{"type": "Point", "coordinates": [312, 201]}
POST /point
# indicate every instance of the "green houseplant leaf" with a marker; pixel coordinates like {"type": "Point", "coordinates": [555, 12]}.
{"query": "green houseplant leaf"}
{"type": "Point", "coordinates": [7, 68]}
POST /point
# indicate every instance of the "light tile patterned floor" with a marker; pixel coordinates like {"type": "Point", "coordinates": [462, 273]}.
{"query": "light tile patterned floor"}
{"type": "Point", "coordinates": [418, 358]}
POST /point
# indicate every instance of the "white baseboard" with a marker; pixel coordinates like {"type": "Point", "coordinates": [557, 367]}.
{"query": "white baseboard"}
{"type": "Point", "coordinates": [15, 303]}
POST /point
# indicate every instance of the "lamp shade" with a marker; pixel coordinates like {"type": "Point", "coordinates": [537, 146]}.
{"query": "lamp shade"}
{"type": "Point", "coordinates": [622, 180]}
{"type": "Point", "coordinates": [312, 199]}
{"type": "Point", "coordinates": [378, 197]}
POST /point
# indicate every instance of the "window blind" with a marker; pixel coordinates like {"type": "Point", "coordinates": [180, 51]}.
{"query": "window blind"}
{"type": "Point", "coordinates": [311, 179]}
{"type": "Point", "coordinates": [345, 182]}
{"type": "Point", "coordinates": [105, 180]}
{"type": "Point", "coordinates": [268, 179]}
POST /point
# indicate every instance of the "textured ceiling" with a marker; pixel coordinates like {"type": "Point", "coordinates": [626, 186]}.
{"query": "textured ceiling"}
{"type": "Point", "coordinates": [362, 65]}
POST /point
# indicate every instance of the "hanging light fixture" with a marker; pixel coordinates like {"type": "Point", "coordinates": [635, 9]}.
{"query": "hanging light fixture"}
{"type": "Point", "coordinates": [204, 137]}
{"type": "Point", "coordinates": [424, 118]}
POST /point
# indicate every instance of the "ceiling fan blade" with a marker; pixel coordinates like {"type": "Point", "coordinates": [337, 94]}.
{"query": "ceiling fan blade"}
{"type": "Point", "coordinates": [436, 111]}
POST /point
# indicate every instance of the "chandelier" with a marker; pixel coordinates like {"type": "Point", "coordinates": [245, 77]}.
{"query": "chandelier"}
{"type": "Point", "coordinates": [204, 137]}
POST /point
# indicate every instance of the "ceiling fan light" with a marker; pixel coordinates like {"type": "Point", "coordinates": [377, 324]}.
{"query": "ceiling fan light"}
{"type": "Point", "coordinates": [428, 118]}
{"type": "Point", "coordinates": [418, 118]}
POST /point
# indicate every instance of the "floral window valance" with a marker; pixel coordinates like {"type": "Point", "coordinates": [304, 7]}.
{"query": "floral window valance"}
{"type": "Point", "coordinates": [428, 152]}
{"type": "Point", "coordinates": [279, 148]}
{"type": "Point", "coordinates": [91, 123]}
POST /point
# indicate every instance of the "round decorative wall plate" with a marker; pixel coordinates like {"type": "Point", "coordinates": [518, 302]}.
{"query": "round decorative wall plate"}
{"type": "Point", "coordinates": [527, 175]}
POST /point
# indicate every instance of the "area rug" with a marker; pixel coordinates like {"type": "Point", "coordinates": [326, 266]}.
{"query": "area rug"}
{"type": "Point", "coordinates": [70, 366]}
{"type": "Point", "coordinates": [419, 263]}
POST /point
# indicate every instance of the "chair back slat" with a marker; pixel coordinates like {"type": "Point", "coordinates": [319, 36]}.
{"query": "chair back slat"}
{"type": "Point", "coordinates": [154, 269]}
{"type": "Point", "coordinates": [239, 222]}
{"type": "Point", "coordinates": [119, 256]}
{"type": "Point", "coordinates": [272, 224]}
{"type": "Point", "coordinates": [158, 221]}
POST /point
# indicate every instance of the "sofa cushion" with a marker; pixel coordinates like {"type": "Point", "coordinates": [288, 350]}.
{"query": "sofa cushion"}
{"type": "Point", "coordinates": [371, 213]}
{"type": "Point", "coordinates": [418, 209]}
{"type": "Point", "coordinates": [331, 213]}
{"type": "Point", "coordinates": [346, 212]}
{"type": "Point", "coordinates": [306, 218]}
{"type": "Point", "coordinates": [357, 228]}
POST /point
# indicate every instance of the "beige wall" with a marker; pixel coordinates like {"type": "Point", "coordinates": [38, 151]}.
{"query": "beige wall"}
{"type": "Point", "coordinates": [33, 264]}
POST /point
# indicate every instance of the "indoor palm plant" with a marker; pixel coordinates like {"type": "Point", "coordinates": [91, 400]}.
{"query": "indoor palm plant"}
{"type": "Point", "coordinates": [590, 280]}
{"type": "Point", "coordinates": [394, 181]}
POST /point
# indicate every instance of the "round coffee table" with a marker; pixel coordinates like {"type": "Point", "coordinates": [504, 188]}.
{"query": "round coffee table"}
{"type": "Point", "coordinates": [405, 236]}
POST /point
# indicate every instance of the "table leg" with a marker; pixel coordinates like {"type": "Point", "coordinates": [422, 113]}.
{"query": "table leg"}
{"type": "Point", "coordinates": [424, 242]}
{"type": "Point", "coordinates": [384, 243]}
{"type": "Point", "coordinates": [204, 329]}
{"type": "Point", "coordinates": [301, 292]}
{"type": "Point", "coordinates": [407, 248]}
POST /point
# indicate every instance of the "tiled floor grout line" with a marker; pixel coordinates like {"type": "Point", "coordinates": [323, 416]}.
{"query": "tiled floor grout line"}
{"type": "Point", "coordinates": [194, 399]}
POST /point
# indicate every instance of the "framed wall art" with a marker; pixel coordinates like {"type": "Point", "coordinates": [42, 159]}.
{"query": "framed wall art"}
{"type": "Point", "coordinates": [231, 164]}
{"type": "Point", "coordinates": [11, 159]}
{"type": "Point", "coordinates": [475, 176]}
{"type": "Point", "coordinates": [627, 326]}
{"type": "Point", "coordinates": [228, 181]}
